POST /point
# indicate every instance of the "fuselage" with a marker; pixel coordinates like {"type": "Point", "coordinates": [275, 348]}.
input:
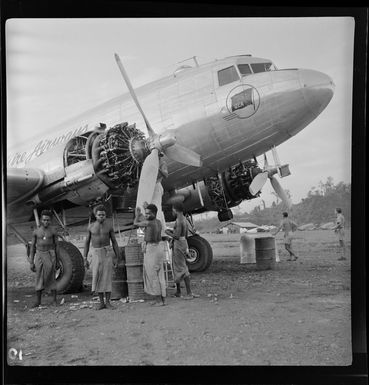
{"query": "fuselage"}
{"type": "Point", "coordinates": [228, 110]}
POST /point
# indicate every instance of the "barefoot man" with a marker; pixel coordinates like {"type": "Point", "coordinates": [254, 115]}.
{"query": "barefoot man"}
{"type": "Point", "coordinates": [340, 232]}
{"type": "Point", "coordinates": [103, 257]}
{"type": "Point", "coordinates": [153, 269]}
{"type": "Point", "coordinates": [288, 228]}
{"type": "Point", "coordinates": [180, 249]}
{"type": "Point", "coordinates": [43, 257]}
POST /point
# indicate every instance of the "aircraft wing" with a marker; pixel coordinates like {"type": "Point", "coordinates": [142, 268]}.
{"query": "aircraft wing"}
{"type": "Point", "coordinates": [23, 183]}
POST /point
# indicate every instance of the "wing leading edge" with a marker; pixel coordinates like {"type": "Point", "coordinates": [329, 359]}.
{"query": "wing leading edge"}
{"type": "Point", "coordinates": [23, 183]}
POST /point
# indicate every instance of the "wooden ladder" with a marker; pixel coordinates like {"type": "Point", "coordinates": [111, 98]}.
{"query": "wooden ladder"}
{"type": "Point", "coordinates": [168, 270]}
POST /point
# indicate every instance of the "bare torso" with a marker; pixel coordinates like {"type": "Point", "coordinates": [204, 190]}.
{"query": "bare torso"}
{"type": "Point", "coordinates": [100, 234]}
{"type": "Point", "coordinates": [287, 226]}
{"type": "Point", "coordinates": [46, 238]}
{"type": "Point", "coordinates": [180, 227]}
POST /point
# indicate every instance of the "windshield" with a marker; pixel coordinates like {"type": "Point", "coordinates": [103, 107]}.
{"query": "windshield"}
{"type": "Point", "coordinates": [244, 69]}
{"type": "Point", "coordinates": [227, 75]}
{"type": "Point", "coordinates": [262, 67]}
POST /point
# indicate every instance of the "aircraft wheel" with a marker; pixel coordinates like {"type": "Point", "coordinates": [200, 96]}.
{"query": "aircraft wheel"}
{"type": "Point", "coordinates": [210, 253]}
{"type": "Point", "coordinates": [201, 254]}
{"type": "Point", "coordinates": [69, 277]}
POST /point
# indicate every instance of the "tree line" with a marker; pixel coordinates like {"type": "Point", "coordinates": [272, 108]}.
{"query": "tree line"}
{"type": "Point", "coordinates": [317, 208]}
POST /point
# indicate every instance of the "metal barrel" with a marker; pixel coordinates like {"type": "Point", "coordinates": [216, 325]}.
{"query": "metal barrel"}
{"type": "Point", "coordinates": [119, 282]}
{"type": "Point", "coordinates": [119, 279]}
{"type": "Point", "coordinates": [136, 290]}
{"type": "Point", "coordinates": [265, 253]}
{"type": "Point", "coordinates": [134, 272]}
{"type": "Point", "coordinates": [133, 253]}
{"type": "Point", "coordinates": [134, 266]}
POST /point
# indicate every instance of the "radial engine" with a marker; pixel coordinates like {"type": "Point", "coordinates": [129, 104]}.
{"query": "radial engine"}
{"type": "Point", "coordinates": [91, 164]}
{"type": "Point", "coordinates": [219, 192]}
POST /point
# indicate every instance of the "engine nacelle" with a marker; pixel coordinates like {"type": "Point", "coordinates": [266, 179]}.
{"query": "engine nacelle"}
{"type": "Point", "coordinates": [92, 164]}
{"type": "Point", "coordinates": [217, 193]}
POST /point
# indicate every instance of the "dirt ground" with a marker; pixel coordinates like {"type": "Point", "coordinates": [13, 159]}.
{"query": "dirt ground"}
{"type": "Point", "coordinates": [296, 314]}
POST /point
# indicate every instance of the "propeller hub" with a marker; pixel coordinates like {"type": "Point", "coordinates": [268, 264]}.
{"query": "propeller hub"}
{"type": "Point", "coordinates": [138, 149]}
{"type": "Point", "coordinates": [272, 171]}
{"type": "Point", "coordinates": [161, 142]}
{"type": "Point", "coordinates": [167, 140]}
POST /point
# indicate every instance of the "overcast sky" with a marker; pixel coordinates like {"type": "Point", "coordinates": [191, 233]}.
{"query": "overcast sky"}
{"type": "Point", "coordinates": [58, 68]}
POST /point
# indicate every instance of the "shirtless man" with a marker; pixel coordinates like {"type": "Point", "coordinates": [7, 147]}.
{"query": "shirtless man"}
{"type": "Point", "coordinates": [288, 227]}
{"type": "Point", "coordinates": [153, 269]}
{"type": "Point", "coordinates": [103, 258]}
{"type": "Point", "coordinates": [180, 250]}
{"type": "Point", "coordinates": [340, 232]}
{"type": "Point", "coordinates": [43, 257]}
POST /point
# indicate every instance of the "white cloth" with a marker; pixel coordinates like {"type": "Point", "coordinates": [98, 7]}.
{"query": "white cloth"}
{"type": "Point", "coordinates": [156, 200]}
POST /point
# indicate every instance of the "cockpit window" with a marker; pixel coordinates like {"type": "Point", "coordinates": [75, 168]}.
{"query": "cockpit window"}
{"type": "Point", "coordinates": [227, 75]}
{"type": "Point", "coordinates": [244, 69]}
{"type": "Point", "coordinates": [262, 67]}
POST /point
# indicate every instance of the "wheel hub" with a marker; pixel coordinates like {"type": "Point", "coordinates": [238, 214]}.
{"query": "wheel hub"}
{"type": "Point", "coordinates": [193, 255]}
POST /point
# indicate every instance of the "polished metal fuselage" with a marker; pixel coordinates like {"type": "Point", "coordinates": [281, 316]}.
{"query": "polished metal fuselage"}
{"type": "Point", "coordinates": [197, 109]}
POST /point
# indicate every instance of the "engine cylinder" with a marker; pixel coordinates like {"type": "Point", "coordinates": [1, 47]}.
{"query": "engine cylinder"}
{"type": "Point", "coordinates": [117, 155]}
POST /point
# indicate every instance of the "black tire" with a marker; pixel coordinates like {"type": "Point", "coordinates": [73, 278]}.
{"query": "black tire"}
{"type": "Point", "coordinates": [201, 254]}
{"type": "Point", "coordinates": [69, 278]}
{"type": "Point", "coordinates": [210, 254]}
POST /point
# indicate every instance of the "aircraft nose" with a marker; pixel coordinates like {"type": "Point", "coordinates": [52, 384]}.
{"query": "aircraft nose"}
{"type": "Point", "coordinates": [318, 89]}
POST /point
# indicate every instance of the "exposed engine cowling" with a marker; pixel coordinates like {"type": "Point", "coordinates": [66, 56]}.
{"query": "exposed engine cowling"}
{"type": "Point", "coordinates": [117, 155]}
{"type": "Point", "coordinates": [237, 180]}
{"type": "Point", "coordinates": [219, 192]}
{"type": "Point", "coordinates": [91, 164]}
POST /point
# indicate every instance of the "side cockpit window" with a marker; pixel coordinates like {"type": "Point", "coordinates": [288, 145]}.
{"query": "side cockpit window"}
{"type": "Point", "coordinates": [262, 67]}
{"type": "Point", "coordinates": [244, 69]}
{"type": "Point", "coordinates": [227, 75]}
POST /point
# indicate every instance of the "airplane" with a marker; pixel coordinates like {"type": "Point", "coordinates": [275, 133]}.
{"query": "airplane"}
{"type": "Point", "coordinates": [210, 121]}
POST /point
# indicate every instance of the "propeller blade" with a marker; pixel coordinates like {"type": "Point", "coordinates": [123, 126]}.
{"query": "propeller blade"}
{"type": "Point", "coordinates": [148, 178]}
{"type": "Point", "coordinates": [133, 94]}
{"type": "Point", "coordinates": [183, 155]}
{"type": "Point", "coordinates": [258, 182]}
{"type": "Point", "coordinates": [280, 192]}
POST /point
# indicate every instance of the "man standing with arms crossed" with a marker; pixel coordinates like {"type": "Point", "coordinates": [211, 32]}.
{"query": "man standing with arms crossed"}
{"type": "Point", "coordinates": [103, 257]}
{"type": "Point", "coordinates": [43, 257]}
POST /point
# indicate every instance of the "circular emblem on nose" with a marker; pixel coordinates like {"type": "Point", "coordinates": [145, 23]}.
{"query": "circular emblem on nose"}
{"type": "Point", "coordinates": [243, 100]}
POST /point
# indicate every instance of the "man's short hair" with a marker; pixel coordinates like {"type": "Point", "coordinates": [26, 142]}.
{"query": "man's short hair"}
{"type": "Point", "coordinates": [152, 208]}
{"type": "Point", "coordinates": [100, 208]}
{"type": "Point", "coordinates": [47, 213]}
{"type": "Point", "coordinates": [178, 206]}
{"type": "Point", "coordinates": [285, 214]}
{"type": "Point", "coordinates": [339, 210]}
